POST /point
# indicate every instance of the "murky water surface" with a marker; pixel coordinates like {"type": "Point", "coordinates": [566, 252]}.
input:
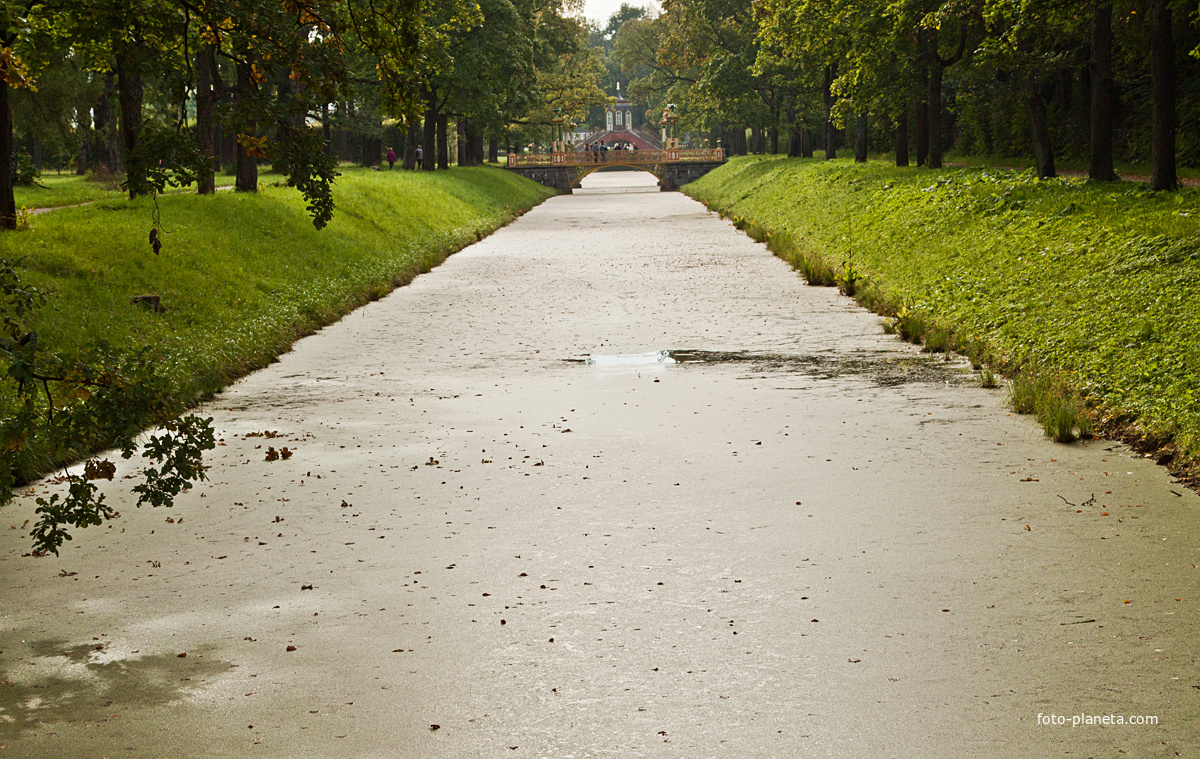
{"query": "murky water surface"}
{"type": "Point", "coordinates": [742, 522]}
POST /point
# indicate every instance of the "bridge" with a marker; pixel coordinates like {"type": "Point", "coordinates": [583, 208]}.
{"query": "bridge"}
{"type": "Point", "coordinates": [564, 170]}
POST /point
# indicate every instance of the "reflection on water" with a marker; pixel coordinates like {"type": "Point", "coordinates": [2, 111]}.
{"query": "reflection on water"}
{"type": "Point", "coordinates": [633, 360]}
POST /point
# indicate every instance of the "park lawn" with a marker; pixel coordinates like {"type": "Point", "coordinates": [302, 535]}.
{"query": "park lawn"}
{"type": "Point", "coordinates": [241, 275]}
{"type": "Point", "coordinates": [1095, 284]}
{"type": "Point", "coordinates": [56, 190]}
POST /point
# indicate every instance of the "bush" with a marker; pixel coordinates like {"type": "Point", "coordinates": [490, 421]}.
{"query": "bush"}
{"type": "Point", "coordinates": [25, 174]}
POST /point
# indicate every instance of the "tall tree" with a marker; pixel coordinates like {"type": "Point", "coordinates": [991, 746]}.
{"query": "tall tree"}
{"type": "Point", "coordinates": [13, 73]}
{"type": "Point", "coordinates": [1100, 165]}
{"type": "Point", "coordinates": [1162, 68]}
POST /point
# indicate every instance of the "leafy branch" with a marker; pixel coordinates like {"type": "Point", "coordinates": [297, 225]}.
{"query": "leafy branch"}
{"type": "Point", "coordinates": [66, 408]}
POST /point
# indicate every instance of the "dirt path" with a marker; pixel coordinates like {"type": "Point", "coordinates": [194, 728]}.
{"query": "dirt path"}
{"type": "Point", "coordinates": [801, 539]}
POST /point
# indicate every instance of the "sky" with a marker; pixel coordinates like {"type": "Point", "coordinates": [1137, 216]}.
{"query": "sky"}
{"type": "Point", "coordinates": [600, 10]}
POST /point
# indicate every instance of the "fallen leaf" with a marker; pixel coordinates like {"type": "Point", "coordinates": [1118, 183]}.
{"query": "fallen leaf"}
{"type": "Point", "coordinates": [291, 648]}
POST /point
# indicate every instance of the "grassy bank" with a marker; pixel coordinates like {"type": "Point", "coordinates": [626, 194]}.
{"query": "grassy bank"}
{"type": "Point", "coordinates": [241, 276]}
{"type": "Point", "coordinates": [56, 190]}
{"type": "Point", "coordinates": [1069, 286]}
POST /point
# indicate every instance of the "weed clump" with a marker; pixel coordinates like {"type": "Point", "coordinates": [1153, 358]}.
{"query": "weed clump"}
{"type": "Point", "coordinates": [1062, 416]}
{"type": "Point", "coordinates": [1024, 391]}
{"type": "Point", "coordinates": [938, 340]}
{"type": "Point", "coordinates": [849, 278]}
{"type": "Point", "coordinates": [757, 232]}
{"type": "Point", "coordinates": [1059, 409]}
{"type": "Point", "coordinates": [910, 325]}
{"type": "Point", "coordinates": [816, 271]}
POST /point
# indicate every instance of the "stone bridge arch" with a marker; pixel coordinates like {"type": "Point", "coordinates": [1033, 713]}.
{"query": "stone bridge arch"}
{"type": "Point", "coordinates": [564, 171]}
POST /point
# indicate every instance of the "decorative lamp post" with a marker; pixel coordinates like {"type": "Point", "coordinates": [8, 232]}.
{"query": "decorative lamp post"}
{"type": "Point", "coordinates": [556, 134]}
{"type": "Point", "coordinates": [671, 118]}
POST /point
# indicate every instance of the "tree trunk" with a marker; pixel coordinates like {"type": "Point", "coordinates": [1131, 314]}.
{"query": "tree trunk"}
{"type": "Point", "coordinates": [1043, 154]}
{"type": "Point", "coordinates": [934, 98]}
{"type": "Point", "coordinates": [368, 151]}
{"type": "Point", "coordinates": [476, 147]}
{"type": "Point", "coordinates": [921, 127]}
{"type": "Point", "coordinates": [326, 130]}
{"type": "Point", "coordinates": [493, 150]}
{"type": "Point", "coordinates": [410, 145]}
{"type": "Point", "coordinates": [83, 128]}
{"type": "Point", "coordinates": [429, 141]}
{"type": "Point", "coordinates": [860, 138]}
{"type": "Point", "coordinates": [1100, 168]}
{"type": "Point", "coordinates": [8, 204]}
{"type": "Point", "coordinates": [460, 129]}
{"type": "Point", "coordinates": [830, 147]}
{"type": "Point", "coordinates": [1162, 129]}
{"type": "Point", "coordinates": [107, 148]}
{"type": "Point", "coordinates": [206, 61]}
{"type": "Point", "coordinates": [793, 134]}
{"type": "Point", "coordinates": [806, 143]}
{"type": "Point", "coordinates": [247, 165]}
{"type": "Point", "coordinates": [443, 156]}
{"type": "Point", "coordinates": [129, 96]}
{"type": "Point", "coordinates": [738, 141]}
{"type": "Point", "coordinates": [902, 140]}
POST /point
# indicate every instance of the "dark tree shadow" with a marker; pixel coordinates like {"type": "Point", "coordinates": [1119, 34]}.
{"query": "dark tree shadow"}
{"type": "Point", "coordinates": [85, 685]}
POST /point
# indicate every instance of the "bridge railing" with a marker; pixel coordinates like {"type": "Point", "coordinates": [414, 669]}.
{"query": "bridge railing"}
{"type": "Point", "coordinates": [587, 157]}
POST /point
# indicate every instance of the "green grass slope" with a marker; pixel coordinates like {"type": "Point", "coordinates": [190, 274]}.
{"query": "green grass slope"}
{"type": "Point", "coordinates": [56, 190]}
{"type": "Point", "coordinates": [1095, 285]}
{"type": "Point", "coordinates": [241, 275]}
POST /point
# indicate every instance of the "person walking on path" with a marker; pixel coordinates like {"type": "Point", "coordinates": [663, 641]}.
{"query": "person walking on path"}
{"type": "Point", "coordinates": [420, 157]}
{"type": "Point", "coordinates": [391, 158]}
